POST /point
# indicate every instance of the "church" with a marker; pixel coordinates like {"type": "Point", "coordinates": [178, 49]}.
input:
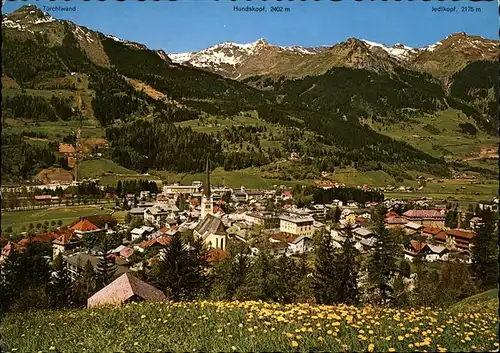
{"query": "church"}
{"type": "Point", "coordinates": [210, 228]}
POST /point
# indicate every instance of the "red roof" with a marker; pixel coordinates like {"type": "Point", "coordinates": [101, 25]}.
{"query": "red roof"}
{"type": "Point", "coordinates": [396, 220]}
{"type": "Point", "coordinates": [216, 254]}
{"type": "Point", "coordinates": [66, 238]}
{"type": "Point", "coordinates": [440, 236]}
{"type": "Point", "coordinates": [423, 214]}
{"type": "Point", "coordinates": [417, 245]}
{"type": "Point", "coordinates": [66, 148]}
{"type": "Point", "coordinates": [8, 249]}
{"type": "Point", "coordinates": [84, 225]}
{"type": "Point", "coordinates": [287, 238]}
{"type": "Point", "coordinates": [43, 197]}
{"type": "Point", "coordinates": [221, 202]}
{"type": "Point", "coordinates": [217, 209]}
{"type": "Point", "coordinates": [287, 193]}
{"type": "Point", "coordinates": [161, 241]}
{"type": "Point", "coordinates": [391, 214]}
{"type": "Point", "coordinates": [194, 202]}
{"type": "Point", "coordinates": [361, 219]}
{"type": "Point", "coordinates": [460, 234]}
{"type": "Point", "coordinates": [163, 230]}
{"type": "Point", "coordinates": [126, 253]}
{"type": "Point", "coordinates": [431, 230]}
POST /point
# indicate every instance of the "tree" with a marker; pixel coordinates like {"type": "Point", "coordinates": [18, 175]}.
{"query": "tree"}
{"type": "Point", "coordinates": [324, 269]}
{"type": "Point", "coordinates": [382, 262]}
{"type": "Point", "coordinates": [119, 189]}
{"type": "Point", "coordinates": [229, 274]}
{"type": "Point", "coordinates": [23, 279]}
{"type": "Point", "coordinates": [179, 270]}
{"type": "Point", "coordinates": [347, 271]}
{"type": "Point", "coordinates": [106, 267]}
{"type": "Point", "coordinates": [59, 288]}
{"type": "Point", "coordinates": [337, 214]}
{"type": "Point", "coordinates": [262, 280]}
{"type": "Point", "coordinates": [454, 284]}
{"type": "Point", "coordinates": [485, 252]}
{"type": "Point", "coordinates": [405, 268]}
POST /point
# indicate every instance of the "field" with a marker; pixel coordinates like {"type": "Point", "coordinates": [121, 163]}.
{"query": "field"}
{"type": "Point", "coordinates": [251, 327]}
{"type": "Point", "coordinates": [55, 130]}
{"type": "Point", "coordinates": [445, 140]}
{"type": "Point", "coordinates": [67, 214]}
{"type": "Point", "coordinates": [249, 177]}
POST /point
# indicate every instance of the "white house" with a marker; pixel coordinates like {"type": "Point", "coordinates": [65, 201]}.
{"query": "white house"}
{"type": "Point", "coordinates": [142, 232]}
{"type": "Point", "coordinates": [295, 244]}
{"type": "Point", "coordinates": [158, 212]}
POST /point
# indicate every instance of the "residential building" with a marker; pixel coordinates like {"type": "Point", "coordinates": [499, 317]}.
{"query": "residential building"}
{"type": "Point", "coordinates": [431, 218]}
{"type": "Point", "coordinates": [182, 189]}
{"type": "Point", "coordinates": [124, 289]}
{"type": "Point", "coordinates": [317, 211]}
{"type": "Point", "coordinates": [160, 212]}
{"type": "Point", "coordinates": [456, 238]}
{"type": "Point", "coordinates": [297, 225]}
{"type": "Point", "coordinates": [68, 240]}
{"type": "Point", "coordinates": [141, 232]}
{"type": "Point", "coordinates": [296, 244]}
{"type": "Point", "coordinates": [76, 261]}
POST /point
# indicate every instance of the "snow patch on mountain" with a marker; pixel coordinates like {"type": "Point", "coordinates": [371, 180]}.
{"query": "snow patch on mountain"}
{"type": "Point", "coordinates": [397, 51]}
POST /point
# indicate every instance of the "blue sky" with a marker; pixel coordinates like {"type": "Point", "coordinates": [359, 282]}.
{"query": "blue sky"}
{"type": "Point", "coordinates": [190, 25]}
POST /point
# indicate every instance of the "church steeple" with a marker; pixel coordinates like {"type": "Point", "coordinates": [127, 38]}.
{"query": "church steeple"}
{"type": "Point", "coordinates": [207, 203]}
{"type": "Point", "coordinates": [206, 184]}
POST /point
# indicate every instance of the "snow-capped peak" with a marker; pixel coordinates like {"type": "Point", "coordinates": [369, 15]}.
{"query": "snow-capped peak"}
{"type": "Point", "coordinates": [397, 51]}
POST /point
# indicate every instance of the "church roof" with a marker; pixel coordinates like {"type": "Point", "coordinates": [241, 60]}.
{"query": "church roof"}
{"type": "Point", "coordinates": [212, 225]}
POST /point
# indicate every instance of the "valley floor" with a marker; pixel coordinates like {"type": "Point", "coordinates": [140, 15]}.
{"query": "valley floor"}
{"type": "Point", "coordinates": [254, 326]}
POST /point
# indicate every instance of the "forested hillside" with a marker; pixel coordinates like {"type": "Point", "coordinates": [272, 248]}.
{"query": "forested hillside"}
{"type": "Point", "coordinates": [80, 74]}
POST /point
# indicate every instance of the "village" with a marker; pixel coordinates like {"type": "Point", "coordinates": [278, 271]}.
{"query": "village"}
{"type": "Point", "coordinates": [218, 215]}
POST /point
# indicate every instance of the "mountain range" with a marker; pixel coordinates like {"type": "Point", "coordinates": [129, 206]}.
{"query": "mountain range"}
{"type": "Point", "coordinates": [260, 58]}
{"type": "Point", "coordinates": [320, 102]}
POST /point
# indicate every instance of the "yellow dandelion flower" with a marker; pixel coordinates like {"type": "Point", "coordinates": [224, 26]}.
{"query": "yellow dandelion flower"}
{"type": "Point", "coordinates": [298, 337]}
{"type": "Point", "coordinates": [219, 330]}
{"type": "Point", "coordinates": [392, 349]}
{"type": "Point", "coordinates": [143, 316]}
{"type": "Point", "coordinates": [371, 346]}
{"type": "Point", "coordinates": [388, 338]}
{"type": "Point", "coordinates": [250, 329]}
{"type": "Point", "coordinates": [240, 325]}
{"type": "Point", "coordinates": [294, 344]}
{"type": "Point", "coordinates": [401, 338]}
{"type": "Point", "coordinates": [410, 345]}
{"type": "Point", "coordinates": [233, 348]}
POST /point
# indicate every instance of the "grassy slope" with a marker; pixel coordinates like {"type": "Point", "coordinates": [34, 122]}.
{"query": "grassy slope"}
{"type": "Point", "coordinates": [475, 302]}
{"type": "Point", "coordinates": [249, 177]}
{"type": "Point", "coordinates": [55, 128]}
{"type": "Point", "coordinates": [94, 168]}
{"type": "Point", "coordinates": [67, 214]}
{"type": "Point", "coordinates": [247, 326]}
{"type": "Point", "coordinates": [449, 138]}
